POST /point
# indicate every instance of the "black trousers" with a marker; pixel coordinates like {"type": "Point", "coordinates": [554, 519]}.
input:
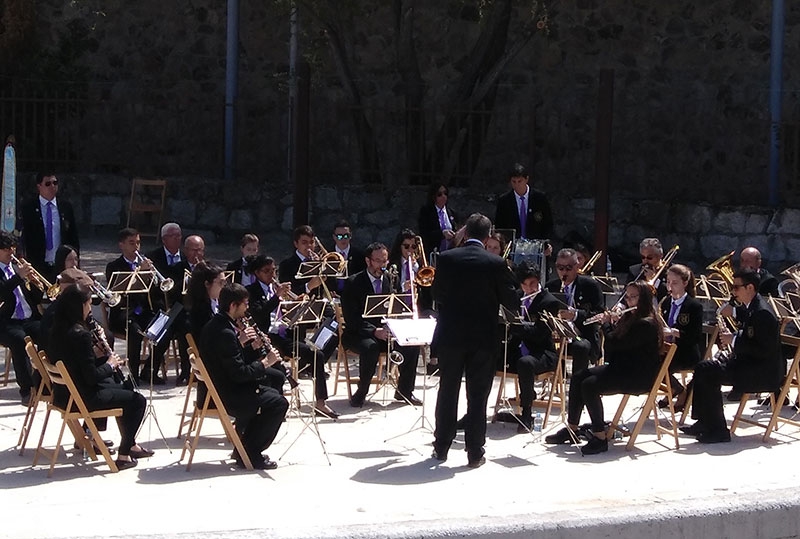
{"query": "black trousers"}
{"type": "Point", "coordinates": [527, 367]}
{"type": "Point", "coordinates": [259, 426]}
{"type": "Point", "coordinates": [307, 361]}
{"type": "Point", "coordinates": [137, 324]}
{"type": "Point", "coordinates": [478, 366]}
{"type": "Point", "coordinates": [369, 349]}
{"type": "Point", "coordinates": [12, 335]}
{"type": "Point", "coordinates": [586, 387]}
{"type": "Point", "coordinates": [133, 405]}
{"type": "Point", "coordinates": [581, 352]}
{"type": "Point", "coordinates": [707, 405]}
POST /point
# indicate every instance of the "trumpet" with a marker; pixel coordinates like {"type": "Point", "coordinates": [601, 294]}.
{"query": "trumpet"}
{"type": "Point", "coordinates": [599, 317]}
{"type": "Point", "coordinates": [108, 297]}
{"type": "Point", "coordinates": [37, 279]}
{"type": "Point", "coordinates": [292, 296]}
{"type": "Point", "coordinates": [164, 283]}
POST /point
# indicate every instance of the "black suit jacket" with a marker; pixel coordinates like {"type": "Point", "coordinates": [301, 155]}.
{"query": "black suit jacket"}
{"type": "Point", "coordinates": [354, 296]}
{"type": "Point", "coordinates": [757, 364]}
{"type": "Point", "coordinates": [633, 353]}
{"type": "Point", "coordinates": [588, 300]}
{"type": "Point", "coordinates": [33, 237]}
{"type": "Point", "coordinates": [138, 306]}
{"type": "Point", "coordinates": [768, 286]}
{"type": "Point", "coordinates": [235, 371]}
{"type": "Point", "coordinates": [539, 223]}
{"type": "Point", "coordinates": [430, 230]}
{"type": "Point", "coordinates": [260, 306]}
{"type": "Point", "coordinates": [199, 316]}
{"type": "Point", "coordinates": [533, 331]}
{"type": "Point", "coordinates": [77, 353]}
{"type": "Point", "coordinates": [689, 321]}
{"type": "Point", "coordinates": [287, 270]}
{"type": "Point", "coordinates": [661, 292]}
{"type": "Point", "coordinates": [174, 272]}
{"type": "Point", "coordinates": [32, 296]}
{"type": "Point", "coordinates": [355, 264]}
{"type": "Point", "coordinates": [470, 285]}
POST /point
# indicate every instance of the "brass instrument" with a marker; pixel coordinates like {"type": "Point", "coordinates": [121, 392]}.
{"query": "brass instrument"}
{"type": "Point", "coordinates": [108, 297]}
{"type": "Point", "coordinates": [267, 347]}
{"type": "Point", "coordinates": [164, 283]}
{"type": "Point", "coordinates": [792, 283]}
{"type": "Point", "coordinates": [591, 262]}
{"type": "Point", "coordinates": [723, 267]}
{"type": "Point", "coordinates": [723, 352]}
{"type": "Point", "coordinates": [425, 274]}
{"type": "Point", "coordinates": [37, 279]}
{"type": "Point", "coordinates": [332, 258]}
{"type": "Point", "coordinates": [665, 262]}
{"type": "Point", "coordinates": [599, 316]}
{"type": "Point", "coordinates": [292, 296]}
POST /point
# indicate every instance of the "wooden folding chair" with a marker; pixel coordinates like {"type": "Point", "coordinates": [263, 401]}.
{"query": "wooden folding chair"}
{"type": "Point", "coordinates": [44, 393]}
{"type": "Point", "coordinates": [660, 387]}
{"type": "Point", "coordinates": [505, 376]}
{"type": "Point", "coordinates": [200, 413]}
{"type": "Point", "coordinates": [792, 380]}
{"type": "Point", "coordinates": [71, 414]}
{"type": "Point", "coordinates": [711, 332]}
{"type": "Point", "coordinates": [345, 356]}
{"type": "Point", "coordinates": [7, 363]}
{"type": "Point", "coordinates": [557, 385]}
{"type": "Point", "coordinates": [191, 383]}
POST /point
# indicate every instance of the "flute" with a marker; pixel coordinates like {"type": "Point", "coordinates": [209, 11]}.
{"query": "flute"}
{"type": "Point", "coordinates": [598, 317]}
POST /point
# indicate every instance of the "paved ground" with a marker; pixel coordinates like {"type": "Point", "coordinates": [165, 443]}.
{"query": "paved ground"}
{"type": "Point", "coordinates": [381, 482]}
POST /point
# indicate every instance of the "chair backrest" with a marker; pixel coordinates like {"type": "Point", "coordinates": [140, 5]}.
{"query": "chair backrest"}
{"type": "Point", "coordinates": [711, 332]}
{"type": "Point", "coordinates": [38, 364]}
{"type": "Point", "coordinates": [201, 373]}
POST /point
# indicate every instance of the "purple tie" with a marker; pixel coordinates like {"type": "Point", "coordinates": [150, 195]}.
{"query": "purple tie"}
{"type": "Point", "coordinates": [443, 226]}
{"type": "Point", "coordinates": [171, 260]}
{"type": "Point", "coordinates": [523, 217]}
{"type": "Point", "coordinates": [19, 312]}
{"type": "Point", "coordinates": [377, 285]}
{"type": "Point", "coordinates": [672, 312]}
{"type": "Point", "coordinates": [48, 227]}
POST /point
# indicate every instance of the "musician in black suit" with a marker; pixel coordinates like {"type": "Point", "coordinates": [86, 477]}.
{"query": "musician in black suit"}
{"type": "Point", "coordinates": [249, 247]}
{"type": "Point", "coordinates": [750, 258]}
{"type": "Point", "coordinates": [135, 312]}
{"type": "Point", "coordinates": [584, 299]}
{"type": "Point", "coordinates": [343, 244]}
{"type": "Point", "coordinates": [470, 285]}
{"type": "Point", "coordinates": [71, 342]}
{"type": "Point", "coordinates": [237, 372]}
{"type": "Point", "coordinates": [265, 298]}
{"type": "Point", "coordinates": [524, 201]}
{"type": "Point", "coordinates": [304, 244]}
{"type": "Point", "coordinates": [651, 252]}
{"type": "Point", "coordinates": [756, 364]}
{"type": "Point", "coordinates": [47, 223]}
{"type": "Point", "coordinates": [365, 336]}
{"type": "Point", "coordinates": [633, 357]}
{"type": "Point", "coordinates": [437, 221]}
{"type": "Point", "coordinates": [171, 263]}
{"type": "Point", "coordinates": [683, 316]}
{"type": "Point", "coordinates": [19, 313]}
{"type": "Point", "coordinates": [531, 349]}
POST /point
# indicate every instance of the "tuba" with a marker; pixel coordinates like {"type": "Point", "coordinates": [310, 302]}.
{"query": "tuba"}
{"type": "Point", "coordinates": [425, 274]}
{"type": "Point", "coordinates": [723, 267]}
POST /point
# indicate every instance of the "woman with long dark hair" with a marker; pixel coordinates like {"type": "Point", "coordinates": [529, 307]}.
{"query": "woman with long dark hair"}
{"type": "Point", "coordinates": [203, 295]}
{"type": "Point", "coordinates": [66, 257]}
{"type": "Point", "coordinates": [71, 342]}
{"type": "Point", "coordinates": [632, 358]}
{"type": "Point", "coordinates": [436, 220]}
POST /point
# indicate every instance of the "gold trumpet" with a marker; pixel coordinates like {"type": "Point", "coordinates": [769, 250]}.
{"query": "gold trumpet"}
{"type": "Point", "coordinates": [37, 279]}
{"type": "Point", "coordinates": [425, 274]}
{"type": "Point", "coordinates": [292, 296]}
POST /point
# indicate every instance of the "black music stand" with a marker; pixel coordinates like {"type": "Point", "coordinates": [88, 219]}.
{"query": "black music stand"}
{"type": "Point", "coordinates": [508, 319]}
{"type": "Point", "coordinates": [387, 306]}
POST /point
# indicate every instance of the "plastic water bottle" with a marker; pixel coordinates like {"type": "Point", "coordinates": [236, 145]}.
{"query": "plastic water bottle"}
{"type": "Point", "coordinates": [537, 425]}
{"type": "Point", "coordinates": [608, 265]}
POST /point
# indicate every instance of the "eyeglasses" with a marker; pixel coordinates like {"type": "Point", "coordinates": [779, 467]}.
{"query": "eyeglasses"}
{"type": "Point", "coordinates": [648, 257]}
{"type": "Point", "coordinates": [380, 260]}
{"type": "Point", "coordinates": [738, 286]}
{"type": "Point", "coordinates": [49, 183]}
{"type": "Point", "coordinates": [441, 194]}
{"type": "Point", "coordinates": [342, 236]}
{"type": "Point", "coordinates": [564, 267]}
{"type": "Point", "coordinates": [408, 245]}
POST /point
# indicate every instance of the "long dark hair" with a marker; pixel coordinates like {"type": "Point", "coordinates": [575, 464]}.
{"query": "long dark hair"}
{"type": "Point", "coordinates": [204, 273]}
{"type": "Point", "coordinates": [396, 255]}
{"type": "Point", "coordinates": [68, 314]}
{"type": "Point", "coordinates": [644, 310]}
{"type": "Point", "coordinates": [61, 257]}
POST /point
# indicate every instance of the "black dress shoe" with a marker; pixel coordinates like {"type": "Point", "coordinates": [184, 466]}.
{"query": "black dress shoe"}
{"type": "Point", "coordinates": [525, 423]}
{"type": "Point", "coordinates": [182, 380]}
{"type": "Point", "coordinates": [477, 462]}
{"type": "Point", "coordinates": [357, 400]}
{"type": "Point", "coordinates": [439, 454]}
{"type": "Point", "coordinates": [125, 464]}
{"type": "Point", "coordinates": [562, 436]}
{"type": "Point", "coordinates": [411, 399]}
{"type": "Point", "coordinates": [330, 414]}
{"type": "Point", "coordinates": [693, 430]}
{"type": "Point", "coordinates": [714, 437]}
{"type": "Point", "coordinates": [141, 454]}
{"type": "Point", "coordinates": [461, 423]}
{"type": "Point", "coordinates": [734, 395]}
{"type": "Point", "coordinates": [432, 369]}
{"type": "Point", "coordinates": [111, 451]}
{"type": "Point", "coordinates": [595, 446]}
{"type": "Point", "coordinates": [765, 401]}
{"type": "Point", "coordinates": [265, 464]}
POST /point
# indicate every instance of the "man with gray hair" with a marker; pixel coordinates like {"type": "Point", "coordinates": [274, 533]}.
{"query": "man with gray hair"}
{"type": "Point", "coordinates": [470, 285]}
{"type": "Point", "coordinates": [651, 252]}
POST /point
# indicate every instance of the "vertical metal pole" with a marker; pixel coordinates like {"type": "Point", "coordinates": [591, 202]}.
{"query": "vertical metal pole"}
{"type": "Point", "coordinates": [290, 173]}
{"type": "Point", "coordinates": [301, 129]}
{"type": "Point", "coordinates": [775, 95]}
{"type": "Point", "coordinates": [602, 166]}
{"type": "Point", "coordinates": [231, 88]}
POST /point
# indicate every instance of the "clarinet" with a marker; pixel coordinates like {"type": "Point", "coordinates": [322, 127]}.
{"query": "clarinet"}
{"type": "Point", "coordinates": [99, 340]}
{"type": "Point", "coordinates": [267, 347]}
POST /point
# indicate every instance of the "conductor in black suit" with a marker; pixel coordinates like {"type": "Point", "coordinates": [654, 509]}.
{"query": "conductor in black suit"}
{"type": "Point", "coordinates": [47, 223]}
{"type": "Point", "coordinates": [369, 339]}
{"type": "Point", "coordinates": [470, 285]}
{"type": "Point", "coordinates": [437, 221]}
{"type": "Point", "coordinates": [584, 299]}
{"type": "Point", "coordinates": [756, 364]}
{"type": "Point", "coordinates": [524, 209]}
{"type": "Point", "coordinates": [237, 372]}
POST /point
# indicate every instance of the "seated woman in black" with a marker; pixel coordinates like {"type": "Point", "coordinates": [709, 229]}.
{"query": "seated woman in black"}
{"type": "Point", "coordinates": [71, 342]}
{"type": "Point", "coordinates": [633, 357]}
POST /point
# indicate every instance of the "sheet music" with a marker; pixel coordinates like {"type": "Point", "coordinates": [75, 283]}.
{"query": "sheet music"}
{"type": "Point", "coordinates": [410, 331]}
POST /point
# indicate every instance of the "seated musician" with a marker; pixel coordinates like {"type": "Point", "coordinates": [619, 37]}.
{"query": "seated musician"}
{"type": "Point", "coordinates": [683, 315]}
{"type": "Point", "coordinates": [19, 313]}
{"type": "Point", "coordinates": [750, 258]}
{"type": "Point", "coordinates": [343, 244]}
{"type": "Point", "coordinates": [135, 312]}
{"type": "Point", "coordinates": [72, 342]}
{"type": "Point", "coordinates": [194, 248]}
{"type": "Point", "coordinates": [66, 257]}
{"type": "Point", "coordinates": [304, 244]}
{"type": "Point", "coordinates": [633, 356]}
{"type": "Point", "coordinates": [238, 371]}
{"type": "Point", "coordinates": [369, 339]}
{"type": "Point", "coordinates": [496, 244]}
{"type": "Point", "coordinates": [585, 299]}
{"type": "Point", "coordinates": [171, 262]}
{"type": "Point", "coordinates": [406, 257]}
{"type": "Point", "coordinates": [249, 247]}
{"type": "Point", "coordinates": [755, 365]}
{"type": "Point", "coordinates": [265, 298]}
{"type": "Point", "coordinates": [531, 350]}
{"type": "Point", "coordinates": [651, 252]}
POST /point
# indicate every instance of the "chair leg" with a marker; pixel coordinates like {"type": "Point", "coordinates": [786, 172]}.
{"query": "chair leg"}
{"type": "Point", "coordinates": [39, 448]}
{"type": "Point", "coordinates": [618, 415]}
{"type": "Point", "coordinates": [57, 447]}
{"type": "Point", "coordinates": [687, 405]}
{"type": "Point", "coordinates": [739, 412]}
{"type": "Point", "coordinates": [27, 423]}
{"type": "Point", "coordinates": [189, 386]}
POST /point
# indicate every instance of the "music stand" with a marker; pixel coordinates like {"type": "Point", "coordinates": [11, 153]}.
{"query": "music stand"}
{"type": "Point", "coordinates": [507, 318]}
{"type": "Point", "coordinates": [126, 283]}
{"type": "Point", "coordinates": [385, 307]}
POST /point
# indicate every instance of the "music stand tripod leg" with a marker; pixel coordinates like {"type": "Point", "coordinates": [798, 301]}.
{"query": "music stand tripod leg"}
{"type": "Point", "coordinates": [150, 410]}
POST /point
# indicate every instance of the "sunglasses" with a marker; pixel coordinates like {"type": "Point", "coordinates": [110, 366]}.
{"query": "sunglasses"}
{"type": "Point", "coordinates": [441, 194]}
{"type": "Point", "coordinates": [408, 245]}
{"type": "Point", "coordinates": [562, 267]}
{"type": "Point", "coordinates": [342, 236]}
{"type": "Point", "coordinates": [49, 183]}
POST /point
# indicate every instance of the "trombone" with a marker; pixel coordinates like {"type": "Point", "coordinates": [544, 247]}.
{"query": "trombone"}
{"type": "Point", "coordinates": [164, 283]}
{"type": "Point", "coordinates": [589, 263]}
{"type": "Point", "coordinates": [425, 274]}
{"type": "Point", "coordinates": [37, 279]}
{"type": "Point", "coordinates": [330, 257]}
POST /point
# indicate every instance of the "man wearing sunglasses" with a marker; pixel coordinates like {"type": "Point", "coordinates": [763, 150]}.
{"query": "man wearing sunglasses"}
{"type": "Point", "coordinates": [342, 236]}
{"type": "Point", "coordinates": [651, 252]}
{"type": "Point", "coordinates": [48, 222]}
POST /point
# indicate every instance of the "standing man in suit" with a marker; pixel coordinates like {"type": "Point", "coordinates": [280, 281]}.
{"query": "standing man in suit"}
{"type": "Point", "coordinates": [365, 337]}
{"type": "Point", "coordinates": [249, 247]}
{"type": "Point", "coordinates": [471, 284]}
{"type": "Point", "coordinates": [652, 252]}
{"type": "Point", "coordinates": [304, 243]}
{"type": "Point", "coordinates": [47, 223]}
{"type": "Point", "coordinates": [19, 315]}
{"type": "Point", "coordinates": [343, 238]}
{"type": "Point", "coordinates": [584, 299]}
{"type": "Point", "coordinates": [750, 258]}
{"type": "Point", "coordinates": [756, 364]}
{"type": "Point", "coordinates": [436, 221]}
{"type": "Point", "coordinates": [238, 372]}
{"type": "Point", "coordinates": [524, 209]}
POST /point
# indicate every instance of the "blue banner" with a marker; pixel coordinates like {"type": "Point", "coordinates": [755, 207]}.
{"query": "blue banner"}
{"type": "Point", "coordinates": [9, 204]}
